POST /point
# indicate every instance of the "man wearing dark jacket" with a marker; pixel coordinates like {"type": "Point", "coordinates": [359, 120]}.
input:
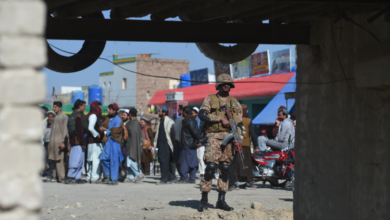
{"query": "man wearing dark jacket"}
{"type": "Point", "coordinates": [189, 142]}
{"type": "Point", "coordinates": [176, 144]}
{"type": "Point", "coordinates": [200, 150]}
{"type": "Point", "coordinates": [77, 127]}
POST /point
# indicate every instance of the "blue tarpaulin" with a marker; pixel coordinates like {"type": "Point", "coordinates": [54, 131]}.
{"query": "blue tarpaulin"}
{"type": "Point", "coordinates": [269, 113]}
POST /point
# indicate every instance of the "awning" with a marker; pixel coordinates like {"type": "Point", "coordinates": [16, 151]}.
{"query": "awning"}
{"type": "Point", "coordinates": [269, 113]}
{"type": "Point", "coordinates": [250, 87]}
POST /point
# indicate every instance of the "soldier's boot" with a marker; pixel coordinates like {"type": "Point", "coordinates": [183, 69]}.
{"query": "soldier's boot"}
{"type": "Point", "coordinates": [203, 205]}
{"type": "Point", "coordinates": [221, 204]}
{"type": "Point", "coordinates": [208, 177]}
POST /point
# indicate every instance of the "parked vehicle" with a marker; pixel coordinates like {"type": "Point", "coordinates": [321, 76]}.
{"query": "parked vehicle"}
{"type": "Point", "coordinates": [273, 167]}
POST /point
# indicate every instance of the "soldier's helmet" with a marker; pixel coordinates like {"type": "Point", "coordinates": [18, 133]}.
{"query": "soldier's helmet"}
{"type": "Point", "coordinates": [224, 78]}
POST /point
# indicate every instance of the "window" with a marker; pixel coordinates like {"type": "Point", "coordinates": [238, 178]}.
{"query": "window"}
{"type": "Point", "coordinates": [124, 83]}
{"type": "Point", "coordinates": [104, 85]}
{"type": "Point", "coordinates": [109, 84]}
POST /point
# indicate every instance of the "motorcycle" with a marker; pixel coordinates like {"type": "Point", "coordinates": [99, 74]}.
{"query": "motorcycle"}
{"type": "Point", "coordinates": [274, 166]}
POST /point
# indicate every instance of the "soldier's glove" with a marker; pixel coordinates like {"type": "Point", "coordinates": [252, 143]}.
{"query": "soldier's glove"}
{"type": "Point", "coordinates": [225, 122]}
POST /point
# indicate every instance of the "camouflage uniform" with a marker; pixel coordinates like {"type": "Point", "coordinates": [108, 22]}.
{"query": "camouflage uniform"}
{"type": "Point", "coordinates": [214, 153]}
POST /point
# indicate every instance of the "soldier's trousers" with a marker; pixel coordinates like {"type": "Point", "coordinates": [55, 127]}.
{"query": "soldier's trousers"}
{"type": "Point", "coordinates": [214, 153]}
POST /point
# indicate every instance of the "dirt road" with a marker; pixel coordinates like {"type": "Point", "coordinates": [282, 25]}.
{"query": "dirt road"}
{"type": "Point", "coordinates": [148, 201]}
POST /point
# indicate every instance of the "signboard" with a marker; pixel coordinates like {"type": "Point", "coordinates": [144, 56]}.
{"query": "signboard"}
{"type": "Point", "coordinates": [199, 77]}
{"type": "Point", "coordinates": [221, 68]}
{"type": "Point", "coordinates": [242, 69]}
{"type": "Point", "coordinates": [281, 61]}
{"type": "Point", "coordinates": [260, 63]}
{"type": "Point", "coordinates": [173, 96]}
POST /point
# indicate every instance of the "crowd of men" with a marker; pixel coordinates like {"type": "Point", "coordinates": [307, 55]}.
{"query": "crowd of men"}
{"type": "Point", "coordinates": [119, 142]}
{"type": "Point", "coordinates": [124, 147]}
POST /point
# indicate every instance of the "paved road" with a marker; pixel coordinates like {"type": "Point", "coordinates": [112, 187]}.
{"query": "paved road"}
{"type": "Point", "coordinates": [148, 201]}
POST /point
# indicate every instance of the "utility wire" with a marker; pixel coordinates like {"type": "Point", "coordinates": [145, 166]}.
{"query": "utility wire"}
{"type": "Point", "coordinates": [174, 78]}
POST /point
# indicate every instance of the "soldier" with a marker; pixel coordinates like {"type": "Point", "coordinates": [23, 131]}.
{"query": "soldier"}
{"type": "Point", "coordinates": [213, 113]}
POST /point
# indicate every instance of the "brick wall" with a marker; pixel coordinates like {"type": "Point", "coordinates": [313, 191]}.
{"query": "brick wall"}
{"type": "Point", "coordinates": [22, 87]}
{"type": "Point", "coordinates": [156, 67]}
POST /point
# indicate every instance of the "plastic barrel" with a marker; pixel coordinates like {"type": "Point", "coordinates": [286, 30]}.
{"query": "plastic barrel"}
{"type": "Point", "coordinates": [95, 93]}
{"type": "Point", "coordinates": [294, 69]}
{"type": "Point", "coordinates": [77, 95]}
{"type": "Point", "coordinates": [185, 80]}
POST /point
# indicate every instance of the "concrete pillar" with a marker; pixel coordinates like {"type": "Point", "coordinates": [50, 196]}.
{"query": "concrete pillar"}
{"type": "Point", "coordinates": [22, 87]}
{"type": "Point", "coordinates": [343, 133]}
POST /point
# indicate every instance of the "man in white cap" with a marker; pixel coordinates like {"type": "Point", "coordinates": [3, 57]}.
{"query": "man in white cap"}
{"type": "Point", "coordinates": [200, 150]}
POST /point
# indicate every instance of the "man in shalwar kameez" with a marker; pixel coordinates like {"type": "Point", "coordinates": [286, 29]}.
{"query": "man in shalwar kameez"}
{"type": "Point", "coordinates": [189, 142]}
{"type": "Point", "coordinates": [134, 148]}
{"type": "Point", "coordinates": [95, 145]}
{"type": "Point", "coordinates": [111, 155]}
{"type": "Point", "coordinates": [77, 127]}
{"type": "Point", "coordinates": [163, 142]}
{"type": "Point", "coordinates": [57, 148]}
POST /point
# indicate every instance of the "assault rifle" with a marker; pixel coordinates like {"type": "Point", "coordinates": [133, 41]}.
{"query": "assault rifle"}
{"type": "Point", "coordinates": [234, 134]}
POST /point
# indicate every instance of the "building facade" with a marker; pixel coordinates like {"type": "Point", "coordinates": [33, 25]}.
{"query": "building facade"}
{"type": "Point", "coordinates": [135, 80]}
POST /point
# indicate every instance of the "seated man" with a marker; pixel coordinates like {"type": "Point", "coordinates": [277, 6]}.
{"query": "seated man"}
{"type": "Point", "coordinates": [262, 141]}
{"type": "Point", "coordinates": [286, 136]}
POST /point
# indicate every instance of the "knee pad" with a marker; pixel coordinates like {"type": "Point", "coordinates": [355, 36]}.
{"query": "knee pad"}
{"type": "Point", "coordinates": [225, 172]}
{"type": "Point", "coordinates": [210, 170]}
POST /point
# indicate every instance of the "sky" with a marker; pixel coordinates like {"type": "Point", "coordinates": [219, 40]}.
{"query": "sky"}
{"type": "Point", "coordinates": [90, 75]}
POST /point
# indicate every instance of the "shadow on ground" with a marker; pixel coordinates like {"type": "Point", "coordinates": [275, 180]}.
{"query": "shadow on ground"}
{"type": "Point", "coordinates": [194, 204]}
{"type": "Point", "coordinates": [149, 182]}
{"type": "Point", "coordinates": [286, 200]}
{"type": "Point", "coordinates": [155, 178]}
{"type": "Point", "coordinates": [285, 189]}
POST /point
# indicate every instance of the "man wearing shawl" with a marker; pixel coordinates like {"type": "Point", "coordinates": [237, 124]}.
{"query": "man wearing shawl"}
{"type": "Point", "coordinates": [58, 143]}
{"type": "Point", "coordinates": [111, 155]}
{"type": "Point", "coordinates": [163, 142]}
{"type": "Point", "coordinates": [77, 127]}
{"type": "Point", "coordinates": [95, 146]}
{"type": "Point", "coordinates": [134, 144]}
